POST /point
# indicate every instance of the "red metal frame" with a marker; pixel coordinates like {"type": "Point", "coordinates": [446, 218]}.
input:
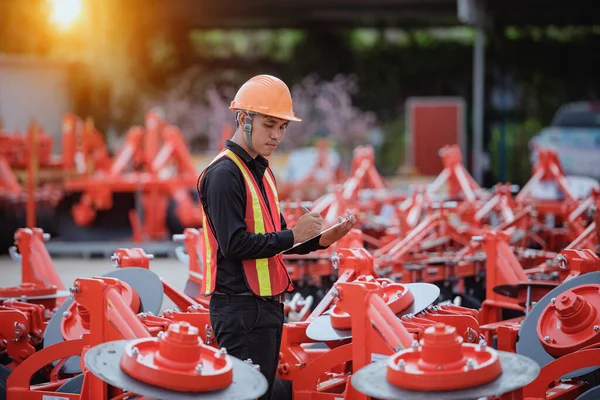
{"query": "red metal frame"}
{"type": "Point", "coordinates": [137, 257]}
{"type": "Point", "coordinates": [21, 329]}
{"type": "Point", "coordinates": [503, 268]}
{"type": "Point", "coordinates": [323, 373]}
{"type": "Point", "coordinates": [107, 311]}
{"type": "Point", "coordinates": [18, 383]}
{"type": "Point", "coordinates": [547, 168]}
{"type": "Point", "coordinates": [455, 175]}
{"type": "Point", "coordinates": [363, 177]}
{"type": "Point", "coordinates": [38, 276]}
{"type": "Point", "coordinates": [560, 367]}
{"type": "Point", "coordinates": [143, 148]}
{"type": "Point", "coordinates": [577, 262]}
{"type": "Point", "coordinates": [193, 242]}
{"type": "Point", "coordinates": [316, 181]}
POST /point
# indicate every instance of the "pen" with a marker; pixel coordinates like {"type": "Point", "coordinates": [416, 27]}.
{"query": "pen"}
{"type": "Point", "coordinates": [306, 210]}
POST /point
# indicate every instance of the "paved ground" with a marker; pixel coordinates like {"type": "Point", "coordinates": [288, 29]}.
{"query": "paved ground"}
{"type": "Point", "coordinates": [170, 269]}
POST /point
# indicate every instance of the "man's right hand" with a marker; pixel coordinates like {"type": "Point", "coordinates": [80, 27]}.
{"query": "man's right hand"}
{"type": "Point", "coordinates": [308, 225]}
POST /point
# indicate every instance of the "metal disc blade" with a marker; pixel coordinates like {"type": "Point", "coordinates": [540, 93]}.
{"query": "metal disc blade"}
{"type": "Point", "coordinates": [424, 295]}
{"type": "Point", "coordinates": [52, 335]}
{"type": "Point", "coordinates": [103, 362]}
{"type": "Point", "coordinates": [513, 291]}
{"type": "Point", "coordinates": [147, 285]}
{"type": "Point", "coordinates": [192, 289]}
{"type": "Point", "coordinates": [320, 329]}
{"type": "Point", "coordinates": [528, 343]}
{"type": "Point", "coordinates": [518, 371]}
{"type": "Point", "coordinates": [592, 394]}
{"type": "Point", "coordinates": [73, 385]}
{"type": "Point", "coordinates": [145, 282]}
{"type": "Point", "coordinates": [59, 294]}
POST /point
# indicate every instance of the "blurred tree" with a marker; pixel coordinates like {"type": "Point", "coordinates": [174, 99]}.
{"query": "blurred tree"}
{"type": "Point", "coordinates": [391, 155]}
{"type": "Point", "coordinates": [517, 140]}
{"type": "Point", "coordinates": [326, 108]}
{"type": "Point", "coordinates": [24, 26]}
{"type": "Point", "coordinates": [127, 54]}
{"type": "Point", "coordinates": [324, 53]}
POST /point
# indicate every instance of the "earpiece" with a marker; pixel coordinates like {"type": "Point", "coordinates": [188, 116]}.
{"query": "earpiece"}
{"type": "Point", "coordinates": [248, 131]}
{"type": "Point", "coordinates": [248, 124]}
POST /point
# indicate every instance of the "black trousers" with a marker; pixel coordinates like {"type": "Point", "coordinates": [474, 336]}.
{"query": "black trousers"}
{"type": "Point", "coordinates": [249, 328]}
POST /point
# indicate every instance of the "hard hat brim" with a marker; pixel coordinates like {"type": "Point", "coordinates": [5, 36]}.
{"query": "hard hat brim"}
{"type": "Point", "coordinates": [290, 118]}
{"type": "Point", "coordinates": [285, 117]}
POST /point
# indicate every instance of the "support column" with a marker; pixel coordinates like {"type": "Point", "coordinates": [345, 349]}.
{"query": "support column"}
{"type": "Point", "coordinates": [471, 12]}
{"type": "Point", "coordinates": [478, 97]}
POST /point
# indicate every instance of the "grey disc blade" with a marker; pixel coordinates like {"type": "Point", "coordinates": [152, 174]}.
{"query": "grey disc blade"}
{"type": "Point", "coordinates": [52, 335]}
{"type": "Point", "coordinates": [517, 372]}
{"type": "Point", "coordinates": [424, 295]}
{"type": "Point", "coordinates": [192, 289]}
{"type": "Point", "coordinates": [592, 394]}
{"type": "Point", "coordinates": [145, 282]}
{"type": "Point", "coordinates": [103, 362]}
{"type": "Point", "coordinates": [528, 343]}
{"type": "Point", "coordinates": [73, 385]}
{"type": "Point", "coordinates": [147, 285]}
{"type": "Point", "coordinates": [513, 291]}
{"type": "Point", "coordinates": [320, 329]}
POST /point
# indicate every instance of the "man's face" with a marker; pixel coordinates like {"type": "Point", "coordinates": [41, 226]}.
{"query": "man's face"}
{"type": "Point", "coordinates": [267, 133]}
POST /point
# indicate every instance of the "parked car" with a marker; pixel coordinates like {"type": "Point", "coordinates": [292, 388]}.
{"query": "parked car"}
{"type": "Point", "coordinates": [574, 134]}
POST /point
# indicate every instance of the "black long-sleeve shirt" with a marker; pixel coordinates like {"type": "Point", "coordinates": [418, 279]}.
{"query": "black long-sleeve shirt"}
{"type": "Point", "coordinates": [223, 196]}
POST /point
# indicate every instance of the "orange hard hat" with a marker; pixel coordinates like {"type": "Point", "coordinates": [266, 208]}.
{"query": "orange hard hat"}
{"type": "Point", "coordinates": [267, 95]}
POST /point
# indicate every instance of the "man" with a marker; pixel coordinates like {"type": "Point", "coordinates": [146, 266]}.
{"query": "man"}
{"type": "Point", "coordinates": [245, 232]}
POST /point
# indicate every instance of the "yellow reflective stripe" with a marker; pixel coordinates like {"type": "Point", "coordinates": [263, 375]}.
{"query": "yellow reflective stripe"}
{"type": "Point", "coordinates": [262, 264]}
{"type": "Point", "coordinates": [207, 266]}
{"type": "Point", "coordinates": [274, 189]}
{"type": "Point", "coordinates": [205, 228]}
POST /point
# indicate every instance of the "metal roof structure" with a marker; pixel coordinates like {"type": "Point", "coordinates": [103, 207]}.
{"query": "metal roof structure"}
{"type": "Point", "coordinates": [232, 14]}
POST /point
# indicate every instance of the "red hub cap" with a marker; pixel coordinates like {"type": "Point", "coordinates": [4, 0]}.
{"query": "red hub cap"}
{"type": "Point", "coordinates": [571, 321]}
{"type": "Point", "coordinates": [178, 360]}
{"type": "Point", "coordinates": [443, 362]}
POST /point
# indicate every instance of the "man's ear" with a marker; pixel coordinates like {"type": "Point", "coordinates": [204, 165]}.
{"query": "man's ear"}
{"type": "Point", "coordinates": [240, 118]}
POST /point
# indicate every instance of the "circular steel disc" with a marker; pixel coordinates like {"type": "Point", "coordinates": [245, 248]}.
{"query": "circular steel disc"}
{"type": "Point", "coordinates": [320, 328]}
{"type": "Point", "coordinates": [59, 294]}
{"type": "Point", "coordinates": [145, 282]}
{"type": "Point", "coordinates": [72, 386]}
{"type": "Point", "coordinates": [518, 371]}
{"type": "Point", "coordinates": [528, 343]}
{"type": "Point", "coordinates": [147, 285]}
{"type": "Point", "coordinates": [425, 294]}
{"type": "Point", "coordinates": [592, 394]}
{"type": "Point", "coordinates": [513, 291]}
{"type": "Point", "coordinates": [52, 336]}
{"type": "Point", "coordinates": [103, 361]}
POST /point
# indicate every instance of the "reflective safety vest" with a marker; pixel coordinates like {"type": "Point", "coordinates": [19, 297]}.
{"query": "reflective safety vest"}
{"type": "Point", "coordinates": [265, 276]}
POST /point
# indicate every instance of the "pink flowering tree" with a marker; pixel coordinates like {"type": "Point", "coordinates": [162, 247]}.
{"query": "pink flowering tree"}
{"type": "Point", "coordinates": [197, 112]}
{"type": "Point", "coordinates": [325, 108]}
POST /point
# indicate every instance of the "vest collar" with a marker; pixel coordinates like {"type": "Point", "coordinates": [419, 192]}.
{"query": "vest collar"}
{"type": "Point", "coordinates": [243, 154]}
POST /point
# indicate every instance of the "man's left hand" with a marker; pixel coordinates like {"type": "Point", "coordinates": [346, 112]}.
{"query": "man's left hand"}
{"type": "Point", "coordinates": [332, 236]}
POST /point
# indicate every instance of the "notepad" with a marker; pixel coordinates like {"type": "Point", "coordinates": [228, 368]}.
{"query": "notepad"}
{"type": "Point", "coordinates": [322, 232]}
